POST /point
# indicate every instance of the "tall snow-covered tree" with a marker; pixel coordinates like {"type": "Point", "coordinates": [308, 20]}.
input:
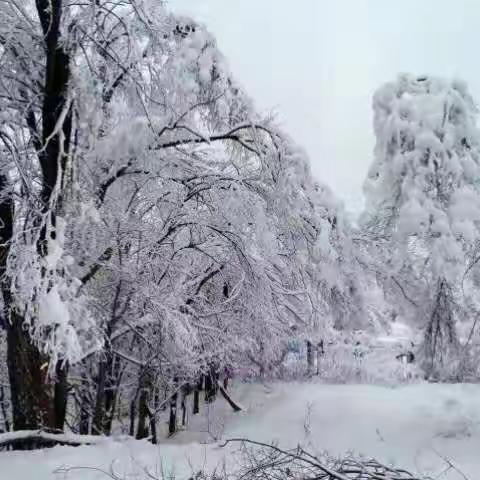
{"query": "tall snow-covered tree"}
{"type": "Point", "coordinates": [423, 202]}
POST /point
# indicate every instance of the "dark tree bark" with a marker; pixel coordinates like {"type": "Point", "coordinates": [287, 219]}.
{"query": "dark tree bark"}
{"type": "Point", "coordinates": [184, 409]}
{"type": "Point", "coordinates": [111, 394]}
{"type": "Point", "coordinates": [106, 397]}
{"type": "Point", "coordinates": [57, 77]}
{"type": "Point", "coordinates": [309, 355]}
{"type": "Point", "coordinates": [99, 413]}
{"type": "Point", "coordinates": [36, 403]}
{"type": "Point", "coordinates": [53, 157]}
{"type": "Point", "coordinates": [320, 351]}
{"type": "Point", "coordinates": [143, 405]}
{"type": "Point", "coordinates": [6, 232]}
{"type": "Point", "coordinates": [196, 395]}
{"type": "Point", "coordinates": [186, 391]}
{"type": "Point", "coordinates": [172, 422]}
{"type": "Point", "coordinates": [133, 414]}
{"type": "Point", "coordinates": [235, 406]}
{"type": "Point", "coordinates": [84, 424]}
{"type": "Point", "coordinates": [440, 341]}
{"type": "Point", "coordinates": [208, 388]}
{"type": "Point", "coordinates": [105, 377]}
{"type": "Point", "coordinates": [60, 395]}
{"type": "Point", "coordinates": [143, 415]}
{"type": "Point", "coordinates": [84, 400]}
{"type": "Point", "coordinates": [32, 396]}
{"type": "Point", "coordinates": [211, 384]}
{"type": "Point", "coordinates": [3, 408]}
{"type": "Point", "coordinates": [153, 420]}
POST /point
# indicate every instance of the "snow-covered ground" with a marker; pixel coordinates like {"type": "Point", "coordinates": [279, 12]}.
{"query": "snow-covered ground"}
{"type": "Point", "coordinates": [412, 426]}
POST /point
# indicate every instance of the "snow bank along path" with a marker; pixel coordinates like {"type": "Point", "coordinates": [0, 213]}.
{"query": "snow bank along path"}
{"type": "Point", "coordinates": [411, 426]}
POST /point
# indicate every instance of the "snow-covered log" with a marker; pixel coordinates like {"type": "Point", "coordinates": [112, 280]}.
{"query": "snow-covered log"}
{"type": "Point", "coordinates": [42, 437]}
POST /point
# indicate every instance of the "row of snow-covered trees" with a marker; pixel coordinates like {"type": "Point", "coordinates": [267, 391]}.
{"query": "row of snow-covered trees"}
{"type": "Point", "coordinates": [154, 228]}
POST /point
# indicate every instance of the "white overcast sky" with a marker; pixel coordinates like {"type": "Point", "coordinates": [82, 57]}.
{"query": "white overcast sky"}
{"type": "Point", "coordinates": [317, 63]}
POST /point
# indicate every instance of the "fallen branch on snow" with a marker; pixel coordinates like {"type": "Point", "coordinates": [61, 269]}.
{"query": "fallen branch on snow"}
{"type": "Point", "coordinates": [269, 462]}
{"type": "Point", "coordinates": [235, 405]}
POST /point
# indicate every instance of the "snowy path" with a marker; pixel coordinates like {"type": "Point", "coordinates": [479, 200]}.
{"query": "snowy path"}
{"type": "Point", "coordinates": [409, 426]}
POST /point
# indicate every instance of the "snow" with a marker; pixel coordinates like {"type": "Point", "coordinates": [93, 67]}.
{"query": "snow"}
{"type": "Point", "coordinates": [412, 426]}
{"type": "Point", "coordinates": [66, 438]}
{"type": "Point", "coordinates": [52, 310]}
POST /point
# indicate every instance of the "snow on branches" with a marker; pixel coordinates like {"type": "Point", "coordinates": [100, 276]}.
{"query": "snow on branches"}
{"type": "Point", "coordinates": [156, 222]}
{"type": "Point", "coordinates": [423, 198]}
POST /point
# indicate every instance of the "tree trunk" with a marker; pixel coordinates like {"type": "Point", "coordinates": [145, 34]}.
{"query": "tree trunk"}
{"type": "Point", "coordinates": [142, 427]}
{"type": "Point", "coordinates": [99, 413]}
{"type": "Point", "coordinates": [440, 341]}
{"type": "Point", "coordinates": [211, 384]}
{"type": "Point", "coordinates": [84, 425]}
{"type": "Point", "coordinates": [320, 352]}
{"type": "Point", "coordinates": [31, 396]}
{"type": "Point", "coordinates": [111, 394]}
{"type": "Point", "coordinates": [3, 408]}
{"type": "Point", "coordinates": [196, 395]}
{"type": "Point", "coordinates": [153, 420]}
{"type": "Point", "coordinates": [172, 422]}
{"type": "Point", "coordinates": [309, 356]}
{"type": "Point", "coordinates": [185, 392]}
{"type": "Point", "coordinates": [184, 412]}
{"type": "Point", "coordinates": [133, 414]}
{"type": "Point", "coordinates": [84, 403]}
{"type": "Point", "coordinates": [106, 367]}
{"type": "Point", "coordinates": [60, 395]}
{"type": "Point", "coordinates": [7, 208]}
{"type": "Point", "coordinates": [208, 388]}
{"type": "Point", "coordinates": [143, 408]}
{"type": "Point", "coordinates": [35, 402]}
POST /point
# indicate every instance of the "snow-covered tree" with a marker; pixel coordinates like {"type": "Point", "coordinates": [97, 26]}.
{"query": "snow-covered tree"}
{"type": "Point", "coordinates": [423, 203]}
